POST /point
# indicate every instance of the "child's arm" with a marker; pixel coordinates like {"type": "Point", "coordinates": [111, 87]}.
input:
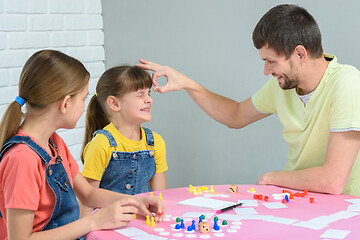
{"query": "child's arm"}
{"type": "Point", "coordinates": [20, 222]}
{"type": "Point", "coordinates": [158, 181]}
{"type": "Point", "coordinates": [84, 210]}
{"type": "Point", "coordinates": [98, 198]}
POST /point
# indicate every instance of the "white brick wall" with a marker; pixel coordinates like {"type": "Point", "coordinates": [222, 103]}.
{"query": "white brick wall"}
{"type": "Point", "coordinates": [73, 27]}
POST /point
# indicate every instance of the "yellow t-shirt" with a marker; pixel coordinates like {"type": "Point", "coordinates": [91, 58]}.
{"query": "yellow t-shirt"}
{"type": "Point", "coordinates": [98, 151]}
{"type": "Point", "coordinates": [333, 106]}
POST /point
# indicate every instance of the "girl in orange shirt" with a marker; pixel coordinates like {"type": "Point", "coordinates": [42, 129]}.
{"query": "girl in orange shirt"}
{"type": "Point", "coordinates": [39, 179]}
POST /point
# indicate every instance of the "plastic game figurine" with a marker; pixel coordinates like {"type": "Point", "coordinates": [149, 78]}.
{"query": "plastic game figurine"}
{"type": "Point", "coordinates": [212, 189]}
{"type": "Point", "coordinates": [233, 188]}
{"type": "Point", "coordinates": [147, 222]}
{"type": "Point", "coordinates": [160, 196]}
{"type": "Point", "coordinates": [152, 222]}
{"type": "Point", "coordinates": [204, 227]}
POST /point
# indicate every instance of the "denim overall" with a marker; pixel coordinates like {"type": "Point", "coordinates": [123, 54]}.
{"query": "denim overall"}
{"type": "Point", "coordinates": [66, 209]}
{"type": "Point", "coordinates": [129, 172]}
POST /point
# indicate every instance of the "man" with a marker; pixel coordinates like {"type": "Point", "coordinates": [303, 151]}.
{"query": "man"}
{"type": "Point", "coordinates": [316, 98]}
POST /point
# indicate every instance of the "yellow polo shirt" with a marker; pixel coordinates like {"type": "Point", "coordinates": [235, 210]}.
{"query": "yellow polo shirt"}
{"type": "Point", "coordinates": [333, 106]}
{"type": "Point", "coordinates": [98, 151]}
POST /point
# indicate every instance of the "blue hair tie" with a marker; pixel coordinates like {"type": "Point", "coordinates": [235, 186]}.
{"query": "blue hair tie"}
{"type": "Point", "coordinates": [20, 101]}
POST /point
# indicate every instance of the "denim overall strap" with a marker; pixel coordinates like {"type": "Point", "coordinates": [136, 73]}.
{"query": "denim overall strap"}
{"type": "Point", "coordinates": [45, 158]}
{"type": "Point", "coordinates": [108, 135]}
{"type": "Point", "coordinates": [66, 209]}
{"type": "Point", "coordinates": [149, 137]}
{"type": "Point", "coordinates": [130, 172]}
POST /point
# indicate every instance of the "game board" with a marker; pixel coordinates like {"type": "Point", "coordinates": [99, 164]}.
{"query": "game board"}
{"type": "Point", "coordinates": [327, 217]}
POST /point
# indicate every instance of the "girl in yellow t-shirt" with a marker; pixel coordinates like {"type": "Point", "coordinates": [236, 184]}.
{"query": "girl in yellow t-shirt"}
{"type": "Point", "coordinates": [119, 154]}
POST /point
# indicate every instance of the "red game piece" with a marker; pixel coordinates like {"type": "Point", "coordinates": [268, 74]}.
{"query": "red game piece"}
{"type": "Point", "coordinates": [297, 194]}
{"type": "Point", "coordinates": [284, 200]}
{"type": "Point", "coordinates": [306, 192]}
{"type": "Point", "coordinates": [311, 200]}
{"type": "Point", "coordinates": [266, 198]}
{"type": "Point", "coordinates": [291, 196]}
{"type": "Point", "coordinates": [160, 213]}
{"type": "Point", "coordinates": [260, 197]}
{"type": "Point", "coordinates": [302, 194]}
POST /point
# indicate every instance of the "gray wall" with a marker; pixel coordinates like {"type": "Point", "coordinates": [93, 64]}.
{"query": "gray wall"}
{"type": "Point", "coordinates": [210, 41]}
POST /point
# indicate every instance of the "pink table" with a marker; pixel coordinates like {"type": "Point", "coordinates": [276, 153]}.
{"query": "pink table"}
{"type": "Point", "coordinates": [299, 209]}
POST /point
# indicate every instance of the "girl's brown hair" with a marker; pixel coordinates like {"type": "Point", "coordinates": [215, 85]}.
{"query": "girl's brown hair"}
{"type": "Point", "coordinates": [47, 77]}
{"type": "Point", "coordinates": [116, 82]}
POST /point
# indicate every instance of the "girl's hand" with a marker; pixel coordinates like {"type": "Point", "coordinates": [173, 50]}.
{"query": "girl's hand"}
{"type": "Point", "coordinates": [117, 214]}
{"type": "Point", "coordinates": [175, 80]}
{"type": "Point", "coordinates": [149, 205]}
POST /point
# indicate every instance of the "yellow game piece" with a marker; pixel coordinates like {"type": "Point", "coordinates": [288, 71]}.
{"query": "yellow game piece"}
{"type": "Point", "coordinates": [134, 215]}
{"type": "Point", "coordinates": [152, 222]}
{"type": "Point", "coordinates": [160, 196]}
{"type": "Point", "coordinates": [151, 194]}
{"type": "Point", "coordinates": [212, 189]}
{"type": "Point", "coordinates": [191, 188]}
{"type": "Point", "coordinates": [198, 190]}
{"type": "Point", "coordinates": [147, 222]}
{"type": "Point", "coordinates": [203, 188]}
{"type": "Point", "coordinates": [252, 190]}
{"type": "Point", "coordinates": [206, 189]}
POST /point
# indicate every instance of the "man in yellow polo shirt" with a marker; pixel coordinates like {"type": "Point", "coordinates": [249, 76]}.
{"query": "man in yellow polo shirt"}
{"type": "Point", "coordinates": [316, 98]}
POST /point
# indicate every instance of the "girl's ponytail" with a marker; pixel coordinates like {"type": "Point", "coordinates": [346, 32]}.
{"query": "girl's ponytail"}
{"type": "Point", "coordinates": [96, 119]}
{"type": "Point", "coordinates": [10, 122]}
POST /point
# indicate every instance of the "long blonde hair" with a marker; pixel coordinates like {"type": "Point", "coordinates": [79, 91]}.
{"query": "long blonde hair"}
{"type": "Point", "coordinates": [115, 82]}
{"type": "Point", "coordinates": [47, 76]}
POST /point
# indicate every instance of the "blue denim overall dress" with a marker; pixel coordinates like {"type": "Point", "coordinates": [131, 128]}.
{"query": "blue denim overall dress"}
{"type": "Point", "coordinates": [129, 172]}
{"type": "Point", "coordinates": [66, 209]}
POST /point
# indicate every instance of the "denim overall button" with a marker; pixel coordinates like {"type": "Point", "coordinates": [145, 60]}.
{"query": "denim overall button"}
{"type": "Point", "coordinates": [114, 155]}
{"type": "Point", "coordinates": [132, 171]}
{"type": "Point", "coordinates": [128, 186]}
{"type": "Point", "coordinates": [134, 156]}
{"type": "Point", "coordinates": [151, 153]}
{"type": "Point", "coordinates": [50, 172]}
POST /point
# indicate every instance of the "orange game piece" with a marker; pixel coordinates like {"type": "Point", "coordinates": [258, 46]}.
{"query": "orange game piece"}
{"type": "Point", "coordinates": [266, 198]}
{"type": "Point", "coordinates": [297, 194]}
{"type": "Point", "coordinates": [284, 200]}
{"type": "Point", "coordinates": [291, 196]}
{"type": "Point", "coordinates": [311, 200]}
{"type": "Point", "coordinates": [302, 194]}
{"type": "Point", "coordinates": [306, 192]}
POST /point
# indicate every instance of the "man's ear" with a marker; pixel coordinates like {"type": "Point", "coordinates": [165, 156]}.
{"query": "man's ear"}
{"type": "Point", "coordinates": [301, 52]}
{"type": "Point", "coordinates": [113, 103]}
{"type": "Point", "coordinates": [64, 104]}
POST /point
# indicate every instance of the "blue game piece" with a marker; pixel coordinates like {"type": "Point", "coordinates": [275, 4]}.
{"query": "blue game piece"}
{"type": "Point", "coordinates": [286, 198]}
{"type": "Point", "coordinates": [189, 229]}
{"type": "Point", "coordinates": [193, 225]}
{"type": "Point", "coordinates": [182, 225]}
{"type": "Point", "coordinates": [177, 226]}
{"type": "Point", "coordinates": [200, 219]}
{"type": "Point", "coordinates": [216, 226]}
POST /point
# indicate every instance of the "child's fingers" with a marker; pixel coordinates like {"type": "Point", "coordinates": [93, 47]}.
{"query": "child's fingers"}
{"type": "Point", "coordinates": [129, 202]}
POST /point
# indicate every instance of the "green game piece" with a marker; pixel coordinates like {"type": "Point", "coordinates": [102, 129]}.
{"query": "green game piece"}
{"type": "Point", "coordinates": [178, 219]}
{"type": "Point", "coordinates": [203, 217]}
{"type": "Point", "coordinates": [224, 222]}
{"type": "Point", "coordinates": [216, 218]}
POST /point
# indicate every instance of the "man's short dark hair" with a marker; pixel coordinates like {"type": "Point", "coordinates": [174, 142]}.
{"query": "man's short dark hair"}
{"type": "Point", "coordinates": [284, 27]}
